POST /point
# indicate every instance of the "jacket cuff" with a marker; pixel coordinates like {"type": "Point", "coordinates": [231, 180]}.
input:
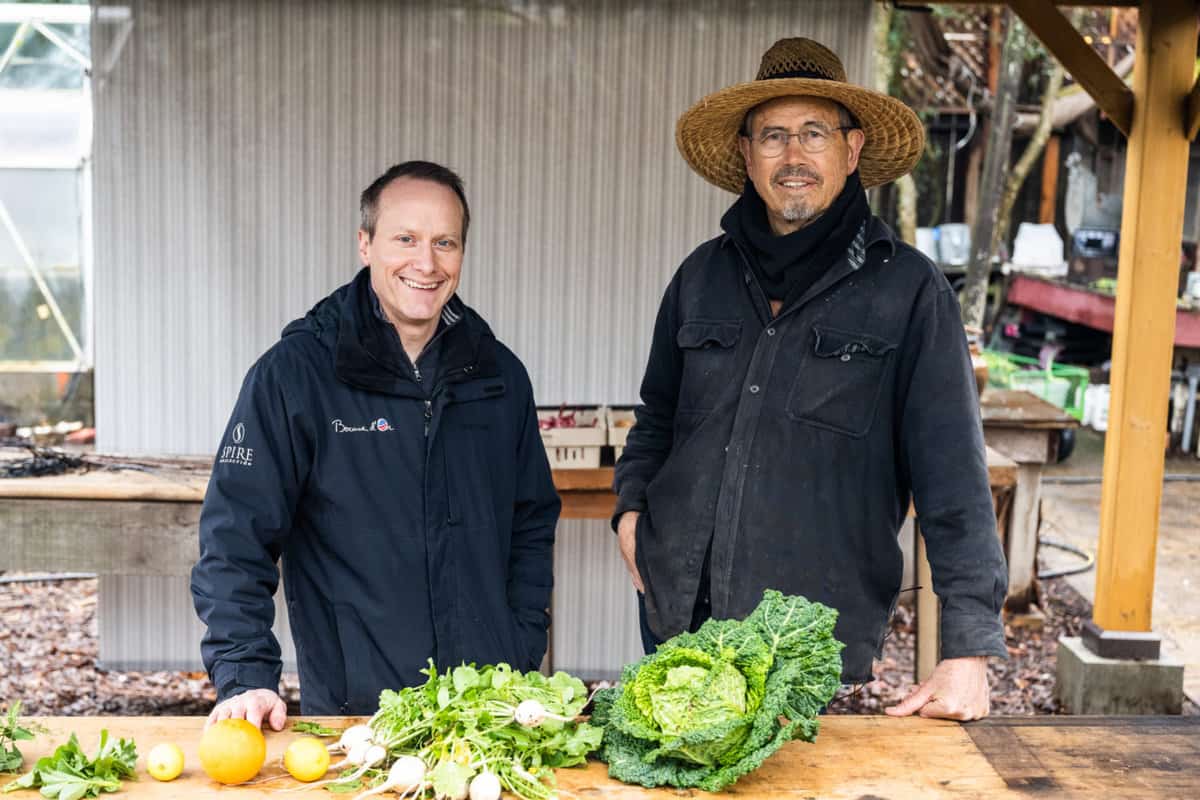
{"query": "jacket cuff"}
{"type": "Point", "coordinates": [534, 636]}
{"type": "Point", "coordinates": [233, 679]}
{"type": "Point", "coordinates": [972, 635]}
{"type": "Point", "coordinates": [628, 500]}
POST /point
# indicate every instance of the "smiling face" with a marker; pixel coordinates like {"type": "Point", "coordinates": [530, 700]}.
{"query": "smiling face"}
{"type": "Point", "coordinates": [415, 255]}
{"type": "Point", "coordinates": [797, 186]}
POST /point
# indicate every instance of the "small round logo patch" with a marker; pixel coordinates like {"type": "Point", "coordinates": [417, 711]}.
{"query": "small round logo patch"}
{"type": "Point", "coordinates": [239, 433]}
{"type": "Point", "coordinates": [381, 424]}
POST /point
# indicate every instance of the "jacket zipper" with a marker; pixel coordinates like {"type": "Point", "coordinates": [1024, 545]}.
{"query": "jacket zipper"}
{"type": "Point", "coordinates": [428, 401]}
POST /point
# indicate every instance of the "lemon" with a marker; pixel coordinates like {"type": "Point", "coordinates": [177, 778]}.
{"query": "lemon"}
{"type": "Point", "coordinates": [165, 761]}
{"type": "Point", "coordinates": [306, 759]}
{"type": "Point", "coordinates": [232, 751]}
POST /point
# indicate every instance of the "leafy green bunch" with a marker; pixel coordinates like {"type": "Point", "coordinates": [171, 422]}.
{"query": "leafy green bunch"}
{"type": "Point", "coordinates": [11, 732]}
{"type": "Point", "coordinates": [710, 706]}
{"type": "Point", "coordinates": [464, 721]}
{"type": "Point", "coordinates": [69, 774]}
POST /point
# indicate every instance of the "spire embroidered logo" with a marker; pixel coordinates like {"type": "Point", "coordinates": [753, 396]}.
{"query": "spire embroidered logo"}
{"type": "Point", "coordinates": [234, 453]}
{"type": "Point", "coordinates": [380, 425]}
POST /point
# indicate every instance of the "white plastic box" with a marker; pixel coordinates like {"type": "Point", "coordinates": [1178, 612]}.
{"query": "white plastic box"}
{"type": "Point", "coordinates": [574, 447]}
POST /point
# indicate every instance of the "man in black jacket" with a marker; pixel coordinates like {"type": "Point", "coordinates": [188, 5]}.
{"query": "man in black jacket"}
{"type": "Point", "coordinates": [809, 375]}
{"type": "Point", "coordinates": [387, 450]}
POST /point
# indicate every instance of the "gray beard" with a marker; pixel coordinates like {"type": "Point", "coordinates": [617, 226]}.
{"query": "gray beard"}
{"type": "Point", "coordinates": [798, 213]}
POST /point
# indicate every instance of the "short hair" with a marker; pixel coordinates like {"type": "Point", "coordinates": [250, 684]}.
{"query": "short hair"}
{"type": "Point", "coordinates": [845, 118]}
{"type": "Point", "coordinates": [368, 203]}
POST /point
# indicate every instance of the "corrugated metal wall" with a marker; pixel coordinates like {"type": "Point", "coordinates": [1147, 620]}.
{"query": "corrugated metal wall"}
{"type": "Point", "coordinates": [232, 139]}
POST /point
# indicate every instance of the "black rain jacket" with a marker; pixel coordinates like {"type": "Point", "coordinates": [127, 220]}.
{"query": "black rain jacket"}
{"type": "Point", "coordinates": [788, 449]}
{"type": "Point", "coordinates": [413, 521]}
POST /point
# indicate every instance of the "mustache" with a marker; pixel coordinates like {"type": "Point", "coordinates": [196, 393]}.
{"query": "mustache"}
{"type": "Point", "coordinates": [796, 171]}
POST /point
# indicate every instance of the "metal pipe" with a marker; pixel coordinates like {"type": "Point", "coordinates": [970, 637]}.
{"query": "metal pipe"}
{"type": "Point", "coordinates": [14, 44]}
{"type": "Point", "coordinates": [8, 223]}
{"type": "Point", "coordinates": [1082, 480]}
{"type": "Point", "coordinates": [68, 48]}
{"type": "Point", "coordinates": [56, 13]}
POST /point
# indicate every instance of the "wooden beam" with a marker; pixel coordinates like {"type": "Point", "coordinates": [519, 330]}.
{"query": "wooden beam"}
{"type": "Point", "coordinates": [104, 536]}
{"type": "Point", "coordinates": [1156, 164]}
{"type": "Point", "coordinates": [929, 628]}
{"type": "Point", "coordinates": [1049, 204]}
{"type": "Point", "coordinates": [1079, 59]}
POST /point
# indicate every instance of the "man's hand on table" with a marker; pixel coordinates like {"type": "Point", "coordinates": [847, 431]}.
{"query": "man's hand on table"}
{"type": "Point", "coordinates": [627, 538]}
{"type": "Point", "coordinates": [957, 689]}
{"type": "Point", "coordinates": [254, 706]}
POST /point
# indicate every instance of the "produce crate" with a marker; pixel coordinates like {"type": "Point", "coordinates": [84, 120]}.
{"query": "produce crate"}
{"type": "Point", "coordinates": [573, 436]}
{"type": "Point", "coordinates": [620, 420]}
{"type": "Point", "coordinates": [1062, 385]}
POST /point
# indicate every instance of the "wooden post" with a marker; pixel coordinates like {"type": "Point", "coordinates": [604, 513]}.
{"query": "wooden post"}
{"type": "Point", "coordinates": [1151, 229]}
{"type": "Point", "coordinates": [929, 624]}
{"type": "Point", "coordinates": [1049, 180]}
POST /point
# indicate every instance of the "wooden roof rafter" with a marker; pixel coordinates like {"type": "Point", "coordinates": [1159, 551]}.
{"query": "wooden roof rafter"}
{"type": "Point", "coordinates": [1085, 65]}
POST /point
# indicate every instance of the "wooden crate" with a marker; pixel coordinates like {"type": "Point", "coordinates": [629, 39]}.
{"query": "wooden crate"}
{"type": "Point", "coordinates": [620, 421]}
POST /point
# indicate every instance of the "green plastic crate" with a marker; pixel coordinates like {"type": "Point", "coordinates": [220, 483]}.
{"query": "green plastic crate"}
{"type": "Point", "coordinates": [1062, 384]}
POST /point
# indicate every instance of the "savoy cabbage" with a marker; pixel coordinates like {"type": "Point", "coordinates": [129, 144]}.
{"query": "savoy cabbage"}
{"type": "Point", "coordinates": [710, 706]}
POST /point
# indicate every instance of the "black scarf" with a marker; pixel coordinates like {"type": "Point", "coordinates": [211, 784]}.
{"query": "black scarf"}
{"type": "Point", "coordinates": [786, 266]}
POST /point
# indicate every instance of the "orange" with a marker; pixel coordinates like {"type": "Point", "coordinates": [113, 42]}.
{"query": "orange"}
{"type": "Point", "coordinates": [232, 751]}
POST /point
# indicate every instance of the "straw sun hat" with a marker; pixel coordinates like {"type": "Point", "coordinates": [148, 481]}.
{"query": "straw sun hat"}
{"type": "Point", "coordinates": [707, 133]}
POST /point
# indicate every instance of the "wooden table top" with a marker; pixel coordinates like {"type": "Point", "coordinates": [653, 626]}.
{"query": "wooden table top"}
{"type": "Point", "coordinates": [1021, 409]}
{"type": "Point", "coordinates": [171, 484]}
{"type": "Point", "coordinates": [854, 757]}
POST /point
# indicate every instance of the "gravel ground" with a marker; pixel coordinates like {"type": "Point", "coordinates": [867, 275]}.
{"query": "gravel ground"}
{"type": "Point", "coordinates": [48, 651]}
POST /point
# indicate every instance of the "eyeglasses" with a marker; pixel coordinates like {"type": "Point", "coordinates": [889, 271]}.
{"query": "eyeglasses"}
{"type": "Point", "coordinates": [813, 139]}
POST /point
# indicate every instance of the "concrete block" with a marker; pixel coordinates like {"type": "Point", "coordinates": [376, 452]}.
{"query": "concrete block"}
{"type": "Point", "coordinates": [1089, 684]}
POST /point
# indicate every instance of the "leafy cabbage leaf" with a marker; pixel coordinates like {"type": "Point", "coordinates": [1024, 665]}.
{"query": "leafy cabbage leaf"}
{"type": "Point", "coordinates": [710, 706]}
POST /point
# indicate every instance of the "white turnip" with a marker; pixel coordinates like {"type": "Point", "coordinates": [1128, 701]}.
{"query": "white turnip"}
{"type": "Point", "coordinates": [406, 775]}
{"type": "Point", "coordinates": [350, 737]}
{"type": "Point", "coordinates": [485, 786]}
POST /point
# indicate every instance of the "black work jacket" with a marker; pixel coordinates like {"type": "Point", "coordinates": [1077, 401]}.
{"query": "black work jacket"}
{"type": "Point", "coordinates": [791, 446]}
{"type": "Point", "coordinates": [415, 518]}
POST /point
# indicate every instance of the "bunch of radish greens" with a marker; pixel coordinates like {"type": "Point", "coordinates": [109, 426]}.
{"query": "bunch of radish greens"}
{"type": "Point", "coordinates": [471, 732]}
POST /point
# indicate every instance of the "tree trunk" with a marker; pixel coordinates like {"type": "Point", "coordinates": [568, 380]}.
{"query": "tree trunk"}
{"type": "Point", "coordinates": [906, 209]}
{"type": "Point", "coordinates": [995, 167]}
{"type": "Point", "coordinates": [1016, 178]}
{"type": "Point", "coordinates": [1033, 150]}
{"type": "Point", "coordinates": [885, 66]}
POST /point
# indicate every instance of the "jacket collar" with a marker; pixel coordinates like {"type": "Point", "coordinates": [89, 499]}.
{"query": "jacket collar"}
{"type": "Point", "coordinates": [365, 354]}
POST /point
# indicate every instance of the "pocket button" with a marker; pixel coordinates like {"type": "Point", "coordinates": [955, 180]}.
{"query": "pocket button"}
{"type": "Point", "coordinates": [845, 356]}
{"type": "Point", "coordinates": [754, 389]}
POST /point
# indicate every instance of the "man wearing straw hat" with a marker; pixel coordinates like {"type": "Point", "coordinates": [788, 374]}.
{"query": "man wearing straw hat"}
{"type": "Point", "coordinates": [807, 379]}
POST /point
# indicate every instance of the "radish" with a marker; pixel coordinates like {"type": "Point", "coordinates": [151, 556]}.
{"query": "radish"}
{"type": "Point", "coordinates": [406, 775]}
{"type": "Point", "coordinates": [531, 714]}
{"type": "Point", "coordinates": [485, 786]}
{"type": "Point", "coordinates": [350, 737]}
